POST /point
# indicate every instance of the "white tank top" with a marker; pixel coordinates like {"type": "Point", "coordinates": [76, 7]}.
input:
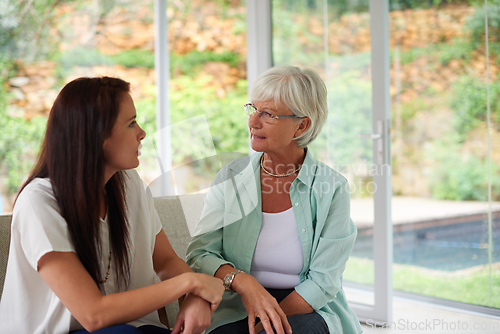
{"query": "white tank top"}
{"type": "Point", "coordinates": [278, 259]}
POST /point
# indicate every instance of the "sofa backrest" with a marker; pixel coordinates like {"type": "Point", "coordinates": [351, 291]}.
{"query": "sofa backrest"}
{"type": "Point", "coordinates": [178, 215]}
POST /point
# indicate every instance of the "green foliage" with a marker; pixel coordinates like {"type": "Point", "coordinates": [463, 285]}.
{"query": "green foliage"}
{"type": "Point", "coordinates": [91, 57]}
{"type": "Point", "coordinates": [476, 25]}
{"type": "Point", "coordinates": [81, 56]}
{"type": "Point", "coordinates": [203, 124]}
{"type": "Point", "coordinates": [191, 62]}
{"type": "Point", "coordinates": [19, 146]}
{"type": "Point", "coordinates": [227, 128]}
{"type": "Point", "coordinates": [146, 114]}
{"type": "Point", "coordinates": [350, 114]}
{"type": "Point", "coordinates": [494, 50]}
{"type": "Point", "coordinates": [419, 4]}
{"type": "Point", "coordinates": [409, 110]}
{"type": "Point", "coordinates": [460, 49]}
{"type": "Point", "coordinates": [26, 36]}
{"type": "Point", "coordinates": [471, 288]}
{"type": "Point", "coordinates": [342, 7]}
{"type": "Point", "coordinates": [287, 48]}
{"type": "Point", "coordinates": [411, 55]}
{"type": "Point", "coordinates": [20, 139]}
{"type": "Point", "coordinates": [225, 6]}
{"type": "Point", "coordinates": [146, 118]}
{"type": "Point", "coordinates": [461, 177]}
{"type": "Point", "coordinates": [463, 180]}
{"type": "Point", "coordinates": [8, 69]}
{"type": "Point", "coordinates": [469, 103]}
{"type": "Point", "coordinates": [225, 117]}
{"type": "Point", "coordinates": [135, 58]}
{"type": "Point", "coordinates": [443, 52]}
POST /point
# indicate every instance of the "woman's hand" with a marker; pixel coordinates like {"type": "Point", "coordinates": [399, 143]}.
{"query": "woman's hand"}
{"type": "Point", "coordinates": [260, 304]}
{"type": "Point", "coordinates": [206, 287]}
{"type": "Point", "coordinates": [194, 316]}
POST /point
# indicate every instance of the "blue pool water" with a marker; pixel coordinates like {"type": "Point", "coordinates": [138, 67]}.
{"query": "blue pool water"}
{"type": "Point", "coordinates": [448, 248]}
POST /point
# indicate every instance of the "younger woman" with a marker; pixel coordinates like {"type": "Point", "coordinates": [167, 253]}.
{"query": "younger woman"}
{"type": "Point", "coordinates": [86, 240]}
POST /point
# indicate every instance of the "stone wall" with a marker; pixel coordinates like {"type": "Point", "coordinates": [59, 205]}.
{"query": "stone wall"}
{"type": "Point", "coordinates": [203, 29]}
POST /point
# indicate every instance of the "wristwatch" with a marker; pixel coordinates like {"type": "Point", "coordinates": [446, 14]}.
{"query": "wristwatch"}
{"type": "Point", "coordinates": [229, 278]}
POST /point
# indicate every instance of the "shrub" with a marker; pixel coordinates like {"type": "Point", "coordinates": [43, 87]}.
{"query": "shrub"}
{"type": "Point", "coordinates": [460, 49]}
{"type": "Point", "coordinates": [469, 103]}
{"type": "Point", "coordinates": [81, 57]}
{"type": "Point", "coordinates": [190, 62]}
{"type": "Point", "coordinates": [225, 116]}
{"type": "Point", "coordinates": [476, 26]}
{"type": "Point", "coordinates": [135, 58]}
{"type": "Point", "coordinates": [462, 177]}
{"type": "Point", "coordinates": [19, 146]}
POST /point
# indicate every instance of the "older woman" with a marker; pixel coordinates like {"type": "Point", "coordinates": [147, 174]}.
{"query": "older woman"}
{"type": "Point", "coordinates": [276, 226]}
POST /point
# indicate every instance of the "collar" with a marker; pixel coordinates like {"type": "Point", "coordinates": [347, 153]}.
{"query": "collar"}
{"type": "Point", "coordinates": [308, 170]}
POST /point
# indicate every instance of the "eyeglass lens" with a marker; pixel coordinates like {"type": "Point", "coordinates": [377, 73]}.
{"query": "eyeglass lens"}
{"type": "Point", "coordinates": [264, 115]}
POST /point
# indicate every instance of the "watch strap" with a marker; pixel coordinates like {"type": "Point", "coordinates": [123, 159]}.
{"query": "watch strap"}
{"type": "Point", "coordinates": [229, 278]}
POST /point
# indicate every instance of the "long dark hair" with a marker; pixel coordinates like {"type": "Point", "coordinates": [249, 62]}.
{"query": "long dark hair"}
{"type": "Point", "coordinates": [71, 156]}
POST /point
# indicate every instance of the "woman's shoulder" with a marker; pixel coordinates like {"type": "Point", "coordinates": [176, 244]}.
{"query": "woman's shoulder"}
{"type": "Point", "coordinates": [242, 162]}
{"type": "Point", "coordinates": [133, 180]}
{"type": "Point", "coordinates": [36, 204]}
{"type": "Point", "coordinates": [38, 190]}
{"type": "Point", "coordinates": [238, 165]}
{"type": "Point", "coordinates": [330, 172]}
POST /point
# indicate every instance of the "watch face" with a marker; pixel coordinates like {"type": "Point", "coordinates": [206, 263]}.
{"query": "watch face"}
{"type": "Point", "coordinates": [227, 279]}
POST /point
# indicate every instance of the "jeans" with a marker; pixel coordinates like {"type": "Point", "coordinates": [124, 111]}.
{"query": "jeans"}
{"type": "Point", "coordinates": [311, 323]}
{"type": "Point", "coordinates": [127, 329]}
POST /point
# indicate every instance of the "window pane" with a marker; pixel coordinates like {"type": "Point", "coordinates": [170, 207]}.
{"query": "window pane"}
{"type": "Point", "coordinates": [46, 44]}
{"type": "Point", "coordinates": [443, 244]}
{"type": "Point", "coordinates": [334, 39]}
{"type": "Point", "coordinates": [207, 91]}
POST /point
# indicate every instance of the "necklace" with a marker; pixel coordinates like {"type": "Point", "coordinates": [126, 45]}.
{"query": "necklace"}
{"type": "Point", "coordinates": [107, 272]}
{"type": "Point", "coordinates": [276, 175]}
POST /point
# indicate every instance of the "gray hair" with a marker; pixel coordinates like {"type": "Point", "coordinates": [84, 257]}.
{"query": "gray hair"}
{"type": "Point", "coordinates": [300, 90]}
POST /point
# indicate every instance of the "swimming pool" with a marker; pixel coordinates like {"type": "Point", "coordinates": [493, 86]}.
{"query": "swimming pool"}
{"type": "Point", "coordinates": [450, 247]}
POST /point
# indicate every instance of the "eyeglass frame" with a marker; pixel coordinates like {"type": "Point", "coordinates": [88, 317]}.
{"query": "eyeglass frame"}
{"type": "Point", "coordinates": [267, 112]}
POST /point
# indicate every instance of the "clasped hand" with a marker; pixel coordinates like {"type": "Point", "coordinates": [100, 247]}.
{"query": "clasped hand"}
{"type": "Point", "coordinates": [198, 306]}
{"type": "Point", "coordinates": [260, 304]}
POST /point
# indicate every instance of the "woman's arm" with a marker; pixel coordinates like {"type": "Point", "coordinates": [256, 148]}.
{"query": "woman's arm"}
{"type": "Point", "coordinates": [294, 304]}
{"type": "Point", "coordinates": [68, 279]}
{"type": "Point", "coordinates": [166, 262]}
{"type": "Point", "coordinates": [334, 234]}
{"type": "Point", "coordinates": [194, 314]}
{"type": "Point", "coordinates": [258, 303]}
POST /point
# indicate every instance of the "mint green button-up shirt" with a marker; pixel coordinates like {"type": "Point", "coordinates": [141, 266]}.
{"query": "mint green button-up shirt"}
{"type": "Point", "coordinates": [230, 224]}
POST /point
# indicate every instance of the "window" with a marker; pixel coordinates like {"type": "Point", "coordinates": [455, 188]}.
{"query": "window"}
{"type": "Point", "coordinates": [207, 88]}
{"type": "Point", "coordinates": [446, 231]}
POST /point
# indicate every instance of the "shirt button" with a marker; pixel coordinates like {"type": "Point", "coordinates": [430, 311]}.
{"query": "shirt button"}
{"type": "Point", "coordinates": [296, 203]}
{"type": "Point", "coordinates": [303, 230]}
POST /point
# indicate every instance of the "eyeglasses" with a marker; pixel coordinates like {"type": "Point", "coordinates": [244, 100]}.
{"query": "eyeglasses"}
{"type": "Point", "coordinates": [264, 115]}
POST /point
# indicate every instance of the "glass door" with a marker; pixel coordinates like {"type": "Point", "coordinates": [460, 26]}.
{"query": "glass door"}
{"type": "Point", "coordinates": [446, 135]}
{"type": "Point", "coordinates": [336, 39]}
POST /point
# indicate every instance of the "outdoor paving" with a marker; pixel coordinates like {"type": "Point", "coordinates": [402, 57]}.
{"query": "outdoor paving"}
{"type": "Point", "coordinates": [407, 210]}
